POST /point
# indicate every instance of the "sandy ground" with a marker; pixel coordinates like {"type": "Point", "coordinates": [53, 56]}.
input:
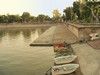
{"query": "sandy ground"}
{"type": "Point", "coordinates": [89, 59]}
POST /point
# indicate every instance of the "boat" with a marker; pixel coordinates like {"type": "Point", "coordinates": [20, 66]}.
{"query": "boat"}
{"type": "Point", "coordinates": [64, 59]}
{"type": "Point", "coordinates": [64, 69]}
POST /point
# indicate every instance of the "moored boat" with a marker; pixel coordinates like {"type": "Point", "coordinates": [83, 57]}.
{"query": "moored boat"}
{"type": "Point", "coordinates": [64, 69]}
{"type": "Point", "coordinates": [64, 59]}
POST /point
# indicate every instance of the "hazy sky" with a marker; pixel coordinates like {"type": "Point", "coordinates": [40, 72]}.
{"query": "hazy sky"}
{"type": "Point", "coordinates": [35, 7]}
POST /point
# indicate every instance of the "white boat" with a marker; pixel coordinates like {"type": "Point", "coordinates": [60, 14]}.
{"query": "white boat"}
{"type": "Point", "coordinates": [64, 69]}
{"type": "Point", "coordinates": [64, 59]}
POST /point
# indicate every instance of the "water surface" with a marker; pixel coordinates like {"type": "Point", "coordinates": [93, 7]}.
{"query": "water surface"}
{"type": "Point", "coordinates": [18, 58]}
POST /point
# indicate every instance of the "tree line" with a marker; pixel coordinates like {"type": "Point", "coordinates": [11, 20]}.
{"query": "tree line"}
{"type": "Point", "coordinates": [24, 18]}
{"type": "Point", "coordinates": [83, 12]}
{"type": "Point", "coordinates": [80, 12]}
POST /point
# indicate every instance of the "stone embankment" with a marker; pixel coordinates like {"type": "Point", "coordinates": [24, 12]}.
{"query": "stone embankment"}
{"type": "Point", "coordinates": [88, 57]}
{"type": "Point", "coordinates": [46, 38]}
{"type": "Point", "coordinates": [59, 33]}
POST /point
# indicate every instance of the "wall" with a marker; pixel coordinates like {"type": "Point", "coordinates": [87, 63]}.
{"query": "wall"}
{"type": "Point", "coordinates": [74, 30]}
{"type": "Point", "coordinates": [82, 33]}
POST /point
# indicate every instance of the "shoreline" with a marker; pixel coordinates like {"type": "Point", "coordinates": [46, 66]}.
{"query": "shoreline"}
{"type": "Point", "coordinates": [24, 26]}
{"type": "Point", "coordinates": [3, 26]}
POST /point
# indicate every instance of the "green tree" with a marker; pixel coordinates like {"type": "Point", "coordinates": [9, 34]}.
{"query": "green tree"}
{"type": "Point", "coordinates": [25, 17]}
{"type": "Point", "coordinates": [88, 11]}
{"type": "Point", "coordinates": [13, 18]}
{"type": "Point", "coordinates": [33, 19]}
{"type": "Point", "coordinates": [69, 14]}
{"type": "Point", "coordinates": [77, 10]}
{"type": "Point", "coordinates": [94, 6]}
{"type": "Point", "coordinates": [3, 19]}
{"type": "Point", "coordinates": [42, 18]}
{"type": "Point", "coordinates": [86, 14]}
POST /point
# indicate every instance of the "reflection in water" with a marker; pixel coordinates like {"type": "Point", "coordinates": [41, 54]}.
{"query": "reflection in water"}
{"type": "Point", "coordinates": [18, 58]}
{"type": "Point", "coordinates": [13, 34]}
{"type": "Point", "coordinates": [2, 34]}
{"type": "Point", "coordinates": [36, 35]}
{"type": "Point", "coordinates": [26, 34]}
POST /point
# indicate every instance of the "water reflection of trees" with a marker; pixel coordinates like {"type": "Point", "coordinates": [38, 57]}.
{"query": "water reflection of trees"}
{"type": "Point", "coordinates": [2, 34]}
{"type": "Point", "coordinates": [31, 34]}
{"type": "Point", "coordinates": [13, 33]}
{"type": "Point", "coordinates": [26, 33]}
{"type": "Point", "coordinates": [40, 30]}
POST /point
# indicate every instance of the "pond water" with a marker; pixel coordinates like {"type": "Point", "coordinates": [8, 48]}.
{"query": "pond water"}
{"type": "Point", "coordinates": [18, 58]}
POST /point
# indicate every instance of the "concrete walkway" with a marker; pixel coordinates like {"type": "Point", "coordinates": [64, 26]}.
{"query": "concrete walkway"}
{"type": "Point", "coordinates": [45, 39]}
{"type": "Point", "coordinates": [58, 33]}
{"type": "Point", "coordinates": [63, 34]}
{"type": "Point", "coordinates": [89, 59]}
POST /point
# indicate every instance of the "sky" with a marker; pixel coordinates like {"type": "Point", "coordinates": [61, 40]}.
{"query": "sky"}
{"type": "Point", "coordinates": [34, 7]}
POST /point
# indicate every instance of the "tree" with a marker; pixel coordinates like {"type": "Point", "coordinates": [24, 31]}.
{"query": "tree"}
{"type": "Point", "coordinates": [77, 10]}
{"type": "Point", "coordinates": [86, 14]}
{"type": "Point", "coordinates": [43, 18]}
{"type": "Point", "coordinates": [69, 15]}
{"type": "Point", "coordinates": [56, 13]}
{"type": "Point", "coordinates": [56, 16]}
{"type": "Point", "coordinates": [13, 18]}
{"type": "Point", "coordinates": [88, 11]}
{"type": "Point", "coordinates": [33, 19]}
{"type": "Point", "coordinates": [25, 17]}
{"type": "Point", "coordinates": [94, 7]}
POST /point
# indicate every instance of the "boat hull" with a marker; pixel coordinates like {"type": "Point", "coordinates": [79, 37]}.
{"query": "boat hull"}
{"type": "Point", "coordinates": [64, 59]}
{"type": "Point", "coordinates": [64, 69]}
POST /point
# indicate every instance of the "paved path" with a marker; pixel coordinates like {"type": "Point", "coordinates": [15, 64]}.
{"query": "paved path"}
{"type": "Point", "coordinates": [58, 33]}
{"type": "Point", "coordinates": [89, 59]}
{"type": "Point", "coordinates": [63, 34]}
{"type": "Point", "coordinates": [46, 38]}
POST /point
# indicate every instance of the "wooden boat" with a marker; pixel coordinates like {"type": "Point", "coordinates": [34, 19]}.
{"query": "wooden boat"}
{"type": "Point", "coordinates": [64, 59]}
{"type": "Point", "coordinates": [64, 69]}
